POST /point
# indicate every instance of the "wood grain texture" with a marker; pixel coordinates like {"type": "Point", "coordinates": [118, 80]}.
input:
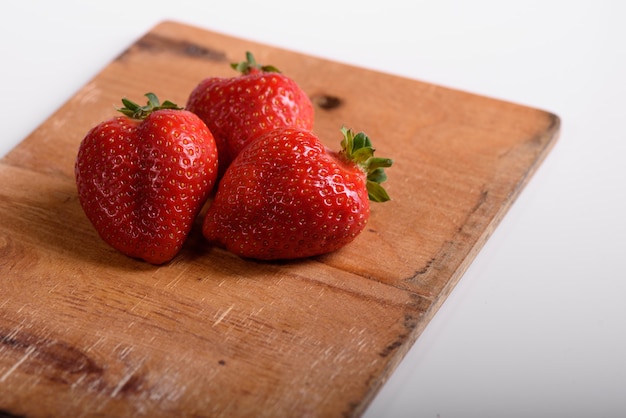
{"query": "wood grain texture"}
{"type": "Point", "coordinates": [86, 331]}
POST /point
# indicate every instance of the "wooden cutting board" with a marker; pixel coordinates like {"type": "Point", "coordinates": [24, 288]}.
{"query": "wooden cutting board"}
{"type": "Point", "coordinates": [86, 331]}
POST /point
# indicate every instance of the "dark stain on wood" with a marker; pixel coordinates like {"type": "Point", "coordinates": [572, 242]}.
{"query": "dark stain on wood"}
{"type": "Point", "coordinates": [326, 101]}
{"type": "Point", "coordinates": [155, 43]}
{"type": "Point", "coordinates": [8, 414]}
{"type": "Point", "coordinates": [54, 360]}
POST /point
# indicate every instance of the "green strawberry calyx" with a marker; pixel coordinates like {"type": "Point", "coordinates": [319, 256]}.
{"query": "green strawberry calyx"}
{"type": "Point", "coordinates": [135, 111]}
{"type": "Point", "coordinates": [358, 149]}
{"type": "Point", "coordinates": [251, 66]}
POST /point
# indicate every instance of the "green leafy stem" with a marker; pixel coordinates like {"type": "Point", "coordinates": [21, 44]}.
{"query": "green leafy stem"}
{"type": "Point", "coordinates": [135, 111]}
{"type": "Point", "coordinates": [358, 148]}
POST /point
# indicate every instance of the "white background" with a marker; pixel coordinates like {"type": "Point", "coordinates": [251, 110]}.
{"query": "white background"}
{"type": "Point", "coordinates": [536, 326]}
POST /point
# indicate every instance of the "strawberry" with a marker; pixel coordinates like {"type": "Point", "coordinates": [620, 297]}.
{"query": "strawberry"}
{"type": "Point", "coordinates": [237, 109]}
{"type": "Point", "coordinates": [286, 196]}
{"type": "Point", "coordinates": [143, 177]}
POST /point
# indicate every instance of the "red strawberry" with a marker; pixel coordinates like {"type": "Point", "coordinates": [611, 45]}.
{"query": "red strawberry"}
{"type": "Point", "coordinates": [237, 109]}
{"type": "Point", "coordinates": [142, 178]}
{"type": "Point", "coordinates": [286, 196]}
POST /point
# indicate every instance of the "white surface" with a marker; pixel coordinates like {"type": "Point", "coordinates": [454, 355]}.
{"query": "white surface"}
{"type": "Point", "coordinates": [536, 325]}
